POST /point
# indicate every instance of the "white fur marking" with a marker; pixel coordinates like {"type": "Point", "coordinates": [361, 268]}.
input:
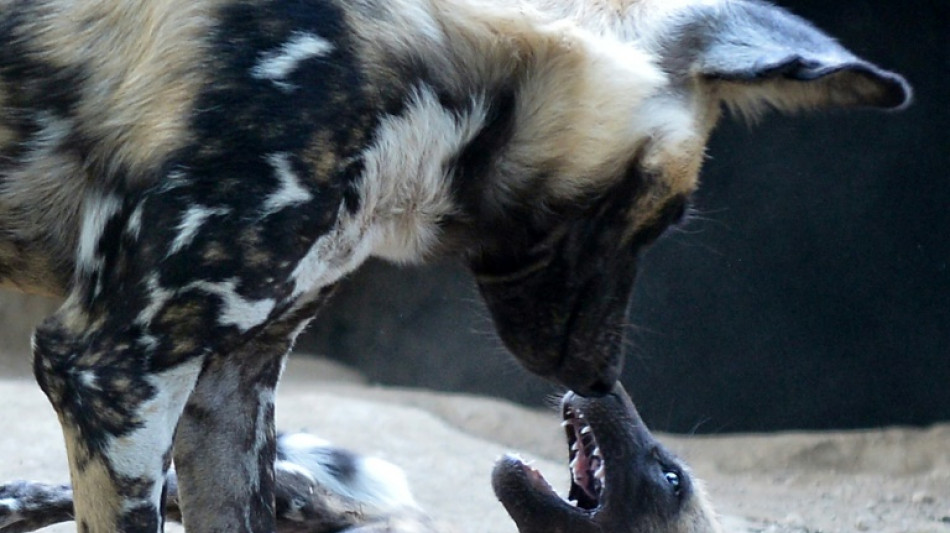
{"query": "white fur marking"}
{"type": "Point", "coordinates": [134, 227]}
{"type": "Point", "coordinates": [404, 193]}
{"type": "Point", "coordinates": [379, 485]}
{"type": "Point", "coordinates": [290, 191]}
{"type": "Point", "coordinates": [236, 310]}
{"type": "Point", "coordinates": [302, 441]}
{"type": "Point", "coordinates": [140, 453]}
{"type": "Point", "coordinates": [97, 211]}
{"type": "Point", "coordinates": [332, 256]}
{"type": "Point", "coordinates": [158, 296]}
{"type": "Point", "coordinates": [190, 223]}
{"type": "Point", "coordinates": [665, 120]}
{"type": "Point", "coordinates": [278, 64]}
{"type": "Point", "coordinates": [295, 505]}
{"type": "Point", "coordinates": [265, 402]}
{"type": "Point", "coordinates": [88, 379]}
{"type": "Point", "coordinates": [10, 508]}
{"type": "Point", "coordinates": [405, 184]}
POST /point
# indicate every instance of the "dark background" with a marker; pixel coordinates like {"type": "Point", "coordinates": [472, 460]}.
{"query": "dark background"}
{"type": "Point", "coordinates": [812, 291]}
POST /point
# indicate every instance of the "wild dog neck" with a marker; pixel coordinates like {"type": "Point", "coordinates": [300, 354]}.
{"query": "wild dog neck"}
{"type": "Point", "coordinates": [520, 114]}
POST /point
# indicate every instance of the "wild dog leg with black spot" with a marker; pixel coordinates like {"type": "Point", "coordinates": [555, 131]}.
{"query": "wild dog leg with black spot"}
{"type": "Point", "coordinates": [212, 290]}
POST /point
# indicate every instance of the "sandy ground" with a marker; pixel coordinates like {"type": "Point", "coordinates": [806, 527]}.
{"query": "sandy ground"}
{"type": "Point", "coordinates": [892, 480]}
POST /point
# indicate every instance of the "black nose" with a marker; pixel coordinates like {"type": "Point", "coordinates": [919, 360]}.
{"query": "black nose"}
{"type": "Point", "coordinates": [597, 388]}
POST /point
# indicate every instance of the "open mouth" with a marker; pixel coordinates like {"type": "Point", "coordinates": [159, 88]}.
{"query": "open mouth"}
{"type": "Point", "coordinates": [586, 462]}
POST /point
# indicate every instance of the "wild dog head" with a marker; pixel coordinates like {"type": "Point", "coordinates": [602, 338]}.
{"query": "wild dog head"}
{"type": "Point", "coordinates": [596, 152]}
{"type": "Point", "coordinates": [622, 479]}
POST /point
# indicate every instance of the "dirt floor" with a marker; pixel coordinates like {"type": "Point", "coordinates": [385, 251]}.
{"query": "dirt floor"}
{"type": "Point", "coordinates": [889, 481]}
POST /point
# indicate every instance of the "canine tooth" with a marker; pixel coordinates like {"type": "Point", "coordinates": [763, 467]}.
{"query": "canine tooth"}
{"type": "Point", "coordinates": [596, 451]}
{"type": "Point", "coordinates": [565, 423]}
{"type": "Point", "coordinates": [585, 430]}
{"type": "Point", "coordinates": [576, 446]}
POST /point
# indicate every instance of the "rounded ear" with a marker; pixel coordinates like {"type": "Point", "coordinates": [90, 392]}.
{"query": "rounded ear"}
{"type": "Point", "coordinates": [756, 56]}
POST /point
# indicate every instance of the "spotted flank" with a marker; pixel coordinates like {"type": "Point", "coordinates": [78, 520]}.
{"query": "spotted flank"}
{"type": "Point", "coordinates": [194, 177]}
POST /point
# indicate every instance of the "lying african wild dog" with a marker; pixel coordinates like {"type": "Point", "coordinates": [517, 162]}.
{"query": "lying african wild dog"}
{"type": "Point", "coordinates": [622, 481]}
{"type": "Point", "coordinates": [194, 176]}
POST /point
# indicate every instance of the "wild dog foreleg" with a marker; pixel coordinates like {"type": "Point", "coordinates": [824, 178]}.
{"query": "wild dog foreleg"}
{"type": "Point", "coordinates": [225, 447]}
{"type": "Point", "coordinates": [118, 415]}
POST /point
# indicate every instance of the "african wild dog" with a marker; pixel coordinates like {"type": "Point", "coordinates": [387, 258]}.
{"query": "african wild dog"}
{"type": "Point", "coordinates": [622, 481]}
{"type": "Point", "coordinates": [194, 176]}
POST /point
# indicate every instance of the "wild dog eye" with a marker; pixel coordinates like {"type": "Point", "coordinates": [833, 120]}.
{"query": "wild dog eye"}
{"type": "Point", "coordinates": [673, 479]}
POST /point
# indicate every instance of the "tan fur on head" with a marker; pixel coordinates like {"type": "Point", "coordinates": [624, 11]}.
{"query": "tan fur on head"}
{"type": "Point", "coordinates": [701, 517]}
{"type": "Point", "coordinates": [586, 101]}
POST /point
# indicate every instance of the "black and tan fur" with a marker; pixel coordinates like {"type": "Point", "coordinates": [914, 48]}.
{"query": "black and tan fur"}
{"type": "Point", "coordinates": [194, 176]}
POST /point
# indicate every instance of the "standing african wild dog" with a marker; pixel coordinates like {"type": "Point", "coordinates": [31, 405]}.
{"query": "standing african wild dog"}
{"type": "Point", "coordinates": [194, 176]}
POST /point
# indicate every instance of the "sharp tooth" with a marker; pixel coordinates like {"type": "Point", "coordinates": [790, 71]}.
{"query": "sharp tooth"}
{"type": "Point", "coordinates": [565, 423]}
{"type": "Point", "coordinates": [572, 502]}
{"type": "Point", "coordinates": [599, 474]}
{"type": "Point", "coordinates": [585, 430]}
{"type": "Point", "coordinates": [596, 452]}
{"type": "Point", "coordinates": [576, 446]}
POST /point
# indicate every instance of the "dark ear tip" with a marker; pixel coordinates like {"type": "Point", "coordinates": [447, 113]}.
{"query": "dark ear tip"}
{"type": "Point", "coordinates": [898, 94]}
{"type": "Point", "coordinates": [892, 90]}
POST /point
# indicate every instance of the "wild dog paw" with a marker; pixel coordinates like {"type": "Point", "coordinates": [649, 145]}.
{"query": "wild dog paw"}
{"type": "Point", "coordinates": [27, 506]}
{"type": "Point", "coordinates": [11, 496]}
